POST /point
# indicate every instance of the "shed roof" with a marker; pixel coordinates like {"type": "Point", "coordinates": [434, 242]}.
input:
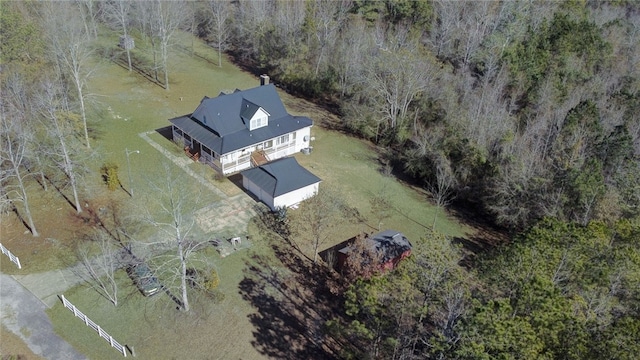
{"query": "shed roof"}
{"type": "Point", "coordinates": [280, 176]}
{"type": "Point", "coordinates": [390, 243]}
{"type": "Point", "coordinates": [220, 123]}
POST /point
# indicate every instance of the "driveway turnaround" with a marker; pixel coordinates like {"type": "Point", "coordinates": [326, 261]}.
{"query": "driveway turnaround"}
{"type": "Point", "coordinates": [24, 315]}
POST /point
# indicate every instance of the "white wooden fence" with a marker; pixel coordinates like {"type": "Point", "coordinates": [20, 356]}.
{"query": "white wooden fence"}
{"type": "Point", "coordinates": [11, 256]}
{"type": "Point", "coordinates": [93, 325]}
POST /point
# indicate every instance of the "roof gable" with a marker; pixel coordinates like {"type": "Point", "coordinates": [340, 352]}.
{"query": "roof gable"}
{"type": "Point", "coordinates": [230, 113]}
{"type": "Point", "coordinates": [281, 176]}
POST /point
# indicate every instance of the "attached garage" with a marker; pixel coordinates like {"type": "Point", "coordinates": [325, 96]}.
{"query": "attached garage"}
{"type": "Point", "coordinates": [281, 183]}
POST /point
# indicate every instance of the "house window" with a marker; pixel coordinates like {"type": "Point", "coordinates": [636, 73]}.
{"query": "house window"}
{"type": "Point", "coordinates": [267, 144]}
{"type": "Point", "coordinates": [282, 139]}
{"type": "Point", "coordinates": [258, 122]}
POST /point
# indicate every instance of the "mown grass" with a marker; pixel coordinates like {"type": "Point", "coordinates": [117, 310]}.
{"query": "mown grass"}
{"type": "Point", "coordinates": [154, 327]}
{"type": "Point", "coordinates": [131, 105]}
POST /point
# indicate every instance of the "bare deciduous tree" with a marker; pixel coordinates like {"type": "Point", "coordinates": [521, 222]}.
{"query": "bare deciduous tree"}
{"type": "Point", "coordinates": [442, 188]}
{"type": "Point", "coordinates": [15, 139]}
{"type": "Point", "coordinates": [99, 268]}
{"type": "Point", "coordinates": [317, 216]}
{"type": "Point", "coordinates": [117, 13]}
{"type": "Point", "coordinates": [348, 57]}
{"type": "Point", "coordinates": [328, 17]}
{"type": "Point", "coordinates": [220, 29]}
{"type": "Point", "coordinates": [57, 121]}
{"type": "Point", "coordinates": [363, 260]}
{"type": "Point", "coordinates": [90, 11]}
{"type": "Point", "coordinates": [71, 48]}
{"type": "Point", "coordinates": [396, 75]}
{"type": "Point", "coordinates": [176, 221]}
{"type": "Point", "coordinates": [166, 19]}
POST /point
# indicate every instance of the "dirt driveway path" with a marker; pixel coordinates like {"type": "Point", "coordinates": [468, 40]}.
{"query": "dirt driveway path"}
{"type": "Point", "coordinates": [24, 315]}
{"type": "Point", "coordinates": [229, 216]}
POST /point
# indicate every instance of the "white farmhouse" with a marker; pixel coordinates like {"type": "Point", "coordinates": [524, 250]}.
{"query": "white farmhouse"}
{"type": "Point", "coordinates": [234, 132]}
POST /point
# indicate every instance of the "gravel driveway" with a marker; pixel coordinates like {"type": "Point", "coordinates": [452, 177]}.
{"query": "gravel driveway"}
{"type": "Point", "coordinates": [24, 315]}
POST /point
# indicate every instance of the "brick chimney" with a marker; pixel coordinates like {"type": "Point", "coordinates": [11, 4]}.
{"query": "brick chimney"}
{"type": "Point", "coordinates": [264, 79]}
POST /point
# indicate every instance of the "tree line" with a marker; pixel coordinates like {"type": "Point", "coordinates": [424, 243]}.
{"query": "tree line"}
{"type": "Point", "coordinates": [519, 109]}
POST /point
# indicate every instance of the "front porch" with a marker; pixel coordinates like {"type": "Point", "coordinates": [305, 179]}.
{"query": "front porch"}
{"type": "Point", "coordinates": [237, 161]}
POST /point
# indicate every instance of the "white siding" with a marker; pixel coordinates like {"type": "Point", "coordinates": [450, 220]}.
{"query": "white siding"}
{"type": "Point", "coordinates": [255, 190]}
{"type": "Point", "coordinates": [296, 196]}
{"type": "Point", "coordinates": [259, 119]}
{"type": "Point", "coordinates": [301, 135]}
{"type": "Point", "coordinates": [231, 163]}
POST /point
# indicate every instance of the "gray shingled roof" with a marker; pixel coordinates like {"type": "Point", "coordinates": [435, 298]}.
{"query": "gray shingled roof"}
{"type": "Point", "coordinates": [218, 122]}
{"type": "Point", "coordinates": [280, 176]}
{"type": "Point", "coordinates": [390, 243]}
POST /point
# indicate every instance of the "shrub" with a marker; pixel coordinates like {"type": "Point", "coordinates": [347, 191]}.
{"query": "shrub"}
{"type": "Point", "coordinates": [110, 175]}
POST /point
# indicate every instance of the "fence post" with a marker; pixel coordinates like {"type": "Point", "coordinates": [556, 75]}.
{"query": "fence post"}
{"type": "Point", "coordinates": [12, 257]}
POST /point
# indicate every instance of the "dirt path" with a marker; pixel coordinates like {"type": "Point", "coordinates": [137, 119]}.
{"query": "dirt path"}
{"type": "Point", "coordinates": [183, 163]}
{"type": "Point", "coordinates": [24, 315]}
{"type": "Point", "coordinates": [227, 217]}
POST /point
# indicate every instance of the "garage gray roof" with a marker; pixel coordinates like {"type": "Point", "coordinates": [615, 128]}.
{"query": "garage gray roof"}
{"type": "Point", "coordinates": [218, 122]}
{"type": "Point", "coordinates": [281, 176]}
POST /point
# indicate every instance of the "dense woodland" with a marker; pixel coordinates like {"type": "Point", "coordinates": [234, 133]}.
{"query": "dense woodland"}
{"type": "Point", "coordinates": [524, 113]}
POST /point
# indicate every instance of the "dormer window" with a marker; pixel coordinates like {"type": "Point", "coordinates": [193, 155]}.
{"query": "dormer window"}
{"type": "Point", "coordinates": [259, 119]}
{"type": "Point", "coordinates": [259, 122]}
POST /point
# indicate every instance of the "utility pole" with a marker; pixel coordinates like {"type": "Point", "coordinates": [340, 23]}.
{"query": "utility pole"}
{"type": "Point", "coordinates": [129, 152]}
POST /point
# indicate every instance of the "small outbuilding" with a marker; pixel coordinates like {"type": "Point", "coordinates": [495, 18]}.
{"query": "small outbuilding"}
{"type": "Point", "coordinates": [391, 247]}
{"type": "Point", "coordinates": [281, 183]}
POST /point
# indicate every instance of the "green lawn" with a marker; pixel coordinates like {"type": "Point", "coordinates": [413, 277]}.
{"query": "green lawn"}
{"type": "Point", "coordinates": [132, 105]}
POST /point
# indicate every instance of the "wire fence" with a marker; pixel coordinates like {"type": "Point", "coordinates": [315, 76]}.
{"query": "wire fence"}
{"type": "Point", "coordinates": [12, 257]}
{"type": "Point", "coordinates": [103, 334]}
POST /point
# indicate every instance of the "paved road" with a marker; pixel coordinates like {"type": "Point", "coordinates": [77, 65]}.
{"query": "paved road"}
{"type": "Point", "coordinates": [24, 315]}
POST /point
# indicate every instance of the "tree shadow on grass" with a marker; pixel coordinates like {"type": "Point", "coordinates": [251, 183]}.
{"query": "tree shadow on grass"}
{"type": "Point", "coordinates": [294, 300]}
{"type": "Point", "coordinates": [138, 66]}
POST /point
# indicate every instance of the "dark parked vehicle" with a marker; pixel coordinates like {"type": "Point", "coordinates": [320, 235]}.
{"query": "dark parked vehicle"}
{"type": "Point", "coordinates": [144, 279]}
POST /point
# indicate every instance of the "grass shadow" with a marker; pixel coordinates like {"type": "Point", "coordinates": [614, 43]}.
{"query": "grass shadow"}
{"type": "Point", "coordinates": [141, 70]}
{"type": "Point", "coordinates": [21, 219]}
{"type": "Point", "coordinates": [195, 54]}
